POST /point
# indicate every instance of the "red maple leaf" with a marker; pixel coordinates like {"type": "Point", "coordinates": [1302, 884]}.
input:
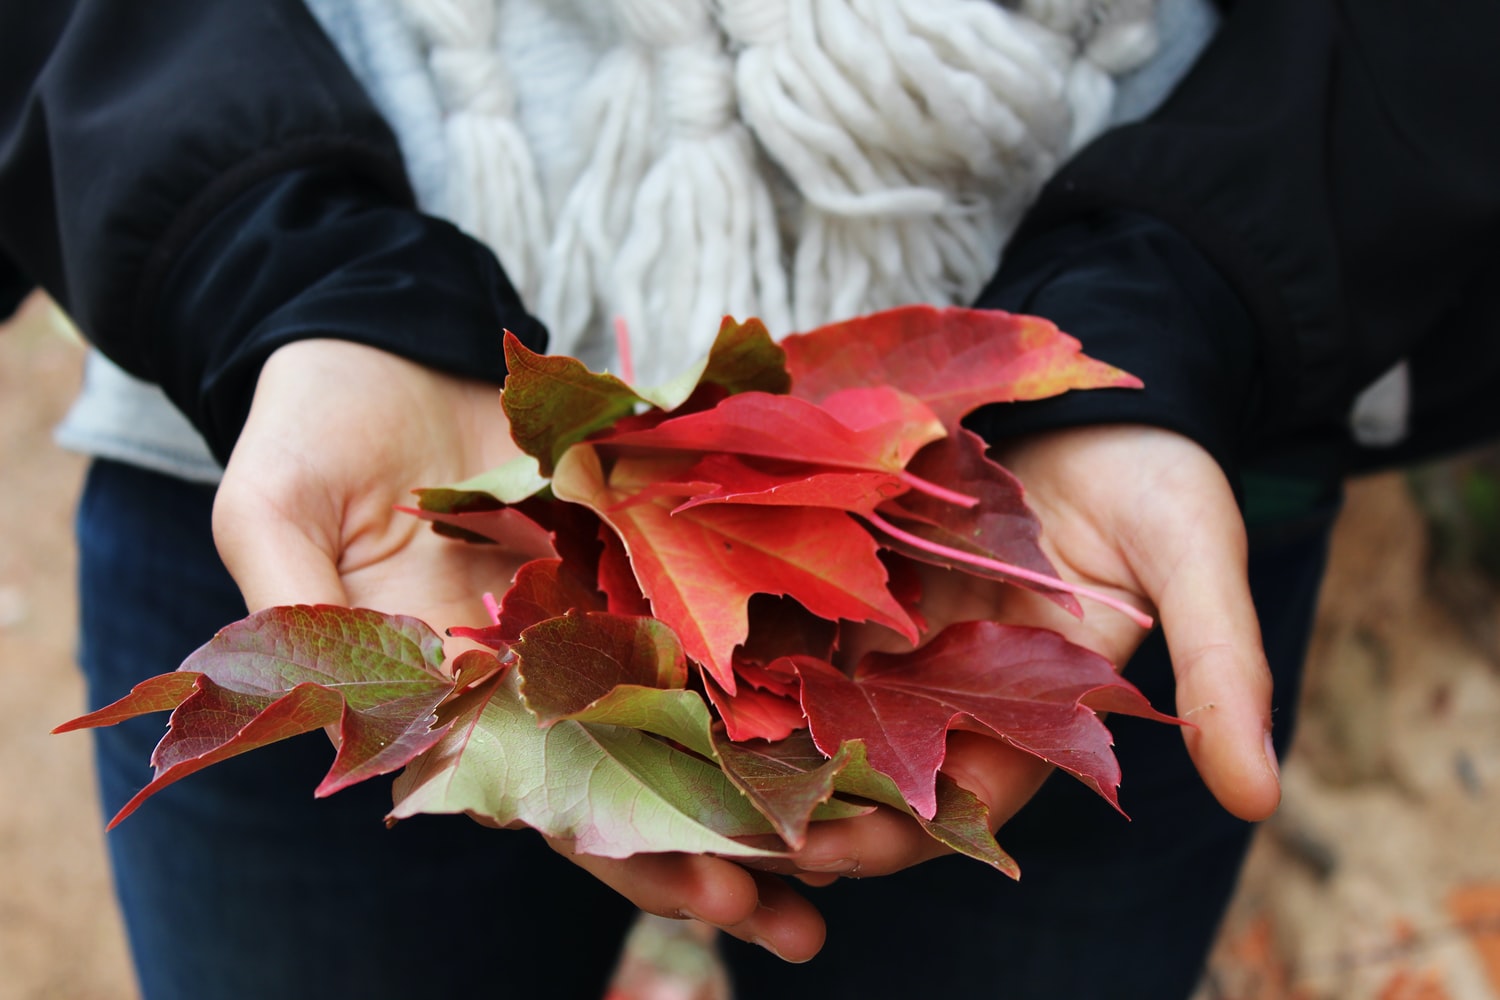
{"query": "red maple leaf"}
{"type": "Point", "coordinates": [953, 360]}
{"type": "Point", "coordinates": [885, 428]}
{"type": "Point", "coordinates": [699, 567]}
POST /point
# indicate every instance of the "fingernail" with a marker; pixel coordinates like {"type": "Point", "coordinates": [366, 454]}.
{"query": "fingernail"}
{"type": "Point", "coordinates": [1271, 761]}
{"type": "Point", "coordinates": [831, 866]}
{"type": "Point", "coordinates": [768, 946]}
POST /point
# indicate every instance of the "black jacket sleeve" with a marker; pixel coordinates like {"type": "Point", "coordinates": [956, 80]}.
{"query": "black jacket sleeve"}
{"type": "Point", "coordinates": [14, 287]}
{"type": "Point", "coordinates": [198, 182]}
{"type": "Point", "coordinates": [1334, 166]}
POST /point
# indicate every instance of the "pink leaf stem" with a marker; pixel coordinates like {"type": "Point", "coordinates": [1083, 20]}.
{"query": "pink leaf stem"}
{"type": "Point", "coordinates": [622, 348]}
{"type": "Point", "coordinates": [1139, 617]}
{"type": "Point", "coordinates": [934, 490]}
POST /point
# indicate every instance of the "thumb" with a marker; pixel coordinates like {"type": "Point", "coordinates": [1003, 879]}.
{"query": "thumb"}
{"type": "Point", "coordinates": [274, 560]}
{"type": "Point", "coordinates": [1223, 680]}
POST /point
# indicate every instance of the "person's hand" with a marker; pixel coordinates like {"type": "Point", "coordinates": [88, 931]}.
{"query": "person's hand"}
{"type": "Point", "coordinates": [1145, 515]}
{"type": "Point", "coordinates": [337, 436]}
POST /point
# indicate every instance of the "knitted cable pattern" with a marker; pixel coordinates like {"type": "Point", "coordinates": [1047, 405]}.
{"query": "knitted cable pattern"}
{"type": "Point", "coordinates": [493, 191]}
{"type": "Point", "coordinates": [798, 160]}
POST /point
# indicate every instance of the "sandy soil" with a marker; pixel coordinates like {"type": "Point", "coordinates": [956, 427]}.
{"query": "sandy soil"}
{"type": "Point", "coordinates": [1380, 878]}
{"type": "Point", "coordinates": [60, 936]}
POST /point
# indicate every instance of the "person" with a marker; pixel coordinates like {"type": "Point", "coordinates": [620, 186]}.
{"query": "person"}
{"type": "Point", "coordinates": [211, 194]}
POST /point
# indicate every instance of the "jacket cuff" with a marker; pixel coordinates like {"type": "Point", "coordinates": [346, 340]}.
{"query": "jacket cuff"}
{"type": "Point", "coordinates": [1141, 297]}
{"type": "Point", "coordinates": [320, 253]}
{"type": "Point", "coordinates": [14, 287]}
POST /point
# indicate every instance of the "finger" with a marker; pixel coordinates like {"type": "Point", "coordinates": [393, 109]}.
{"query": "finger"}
{"type": "Point", "coordinates": [785, 923]}
{"type": "Point", "coordinates": [1223, 681]}
{"type": "Point", "coordinates": [879, 843]}
{"type": "Point", "coordinates": [887, 841]}
{"type": "Point", "coordinates": [755, 907]}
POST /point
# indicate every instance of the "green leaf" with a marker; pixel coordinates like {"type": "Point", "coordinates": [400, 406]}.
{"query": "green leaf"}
{"type": "Point", "coordinates": [678, 715]}
{"type": "Point", "coordinates": [610, 790]}
{"type": "Point", "coordinates": [510, 483]}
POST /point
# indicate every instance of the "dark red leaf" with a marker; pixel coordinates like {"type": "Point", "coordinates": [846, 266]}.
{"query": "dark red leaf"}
{"type": "Point", "coordinates": [617, 579]}
{"type": "Point", "coordinates": [1030, 687]}
{"type": "Point", "coordinates": [543, 589]}
{"type": "Point", "coordinates": [780, 627]}
{"type": "Point", "coordinates": [1000, 527]}
{"type": "Point", "coordinates": [568, 663]}
{"type": "Point", "coordinates": [905, 586]}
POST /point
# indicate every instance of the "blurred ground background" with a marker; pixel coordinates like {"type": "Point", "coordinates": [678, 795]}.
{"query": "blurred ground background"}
{"type": "Point", "coordinates": [1378, 880]}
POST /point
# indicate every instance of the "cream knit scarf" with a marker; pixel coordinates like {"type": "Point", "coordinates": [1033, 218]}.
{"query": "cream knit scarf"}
{"type": "Point", "coordinates": [797, 160]}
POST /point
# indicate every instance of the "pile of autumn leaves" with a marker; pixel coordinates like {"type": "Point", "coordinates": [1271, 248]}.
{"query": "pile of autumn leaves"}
{"type": "Point", "coordinates": [665, 672]}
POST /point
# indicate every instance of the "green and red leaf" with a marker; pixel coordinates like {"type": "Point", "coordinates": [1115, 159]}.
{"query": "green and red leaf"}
{"type": "Point", "coordinates": [612, 791]}
{"type": "Point", "coordinates": [787, 780]}
{"type": "Point", "coordinates": [743, 358]}
{"type": "Point", "coordinates": [738, 518]}
{"type": "Point", "coordinates": [553, 401]}
{"type": "Point", "coordinates": [960, 820]}
{"type": "Point", "coordinates": [290, 670]}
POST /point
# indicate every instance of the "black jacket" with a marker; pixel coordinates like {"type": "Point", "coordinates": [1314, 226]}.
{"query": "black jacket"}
{"type": "Point", "coordinates": [199, 182]}
{"type": "Point", "coordinates": [1337, 166]}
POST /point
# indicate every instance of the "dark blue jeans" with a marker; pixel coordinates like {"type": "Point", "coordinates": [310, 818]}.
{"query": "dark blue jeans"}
{"type": "Point", "coordinates": [237, 885]}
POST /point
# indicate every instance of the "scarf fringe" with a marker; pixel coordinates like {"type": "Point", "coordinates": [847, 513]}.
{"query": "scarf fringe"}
{"type": "Point", "coordinates": [798, 160]}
